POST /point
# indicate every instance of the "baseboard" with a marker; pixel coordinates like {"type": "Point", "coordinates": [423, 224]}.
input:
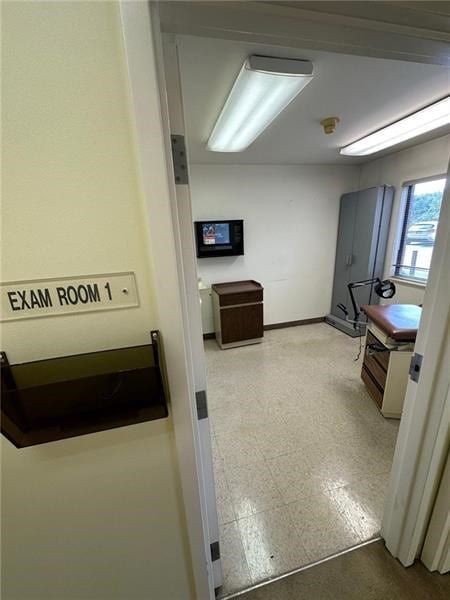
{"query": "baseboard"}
{"type": "Point", "coordinates": [211, 336]}
{"type": "Point", "coordinates": [294, 323]}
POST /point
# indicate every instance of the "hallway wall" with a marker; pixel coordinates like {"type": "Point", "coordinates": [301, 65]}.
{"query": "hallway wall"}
{"type": "Point", "coordinates": [99, 516]}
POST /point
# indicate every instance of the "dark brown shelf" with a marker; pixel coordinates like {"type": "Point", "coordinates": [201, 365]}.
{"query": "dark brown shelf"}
{"type": "Point", "coordinates": [59, 398]}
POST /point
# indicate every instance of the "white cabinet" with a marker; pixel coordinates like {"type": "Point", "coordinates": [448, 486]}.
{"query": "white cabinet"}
{"type": "Point", "coordinates": [385, 372]}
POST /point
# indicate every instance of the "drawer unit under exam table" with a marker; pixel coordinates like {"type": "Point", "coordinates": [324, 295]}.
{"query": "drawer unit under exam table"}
{"type": "Point", "coordinates": [387, 355]}
{"type": "Point", "coordinates": [238, 313]}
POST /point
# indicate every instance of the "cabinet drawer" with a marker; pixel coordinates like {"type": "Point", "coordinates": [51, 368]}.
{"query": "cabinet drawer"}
{"type": "Point", "coordinates": [375, 392]}
{"type": "Point", "coordinates": [381, 357]}
{"type": "Point", "coordinates": [374, 367]}
{"type": "Point", "coordinates": [241, 323]}
{"type": "Point", "coordinates": [241, 298]}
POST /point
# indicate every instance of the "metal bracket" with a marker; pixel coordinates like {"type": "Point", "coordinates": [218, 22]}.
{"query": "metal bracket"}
{"type": "Point", "coordinates": [158, 357]}
{"type": "Point", "coordinates": [215, 551]}
{"type": "Point", "coordinates": [155, 345]}
{"type": "Point", "coordinates": [376, 349]}
{"type": "Point", "coordinates": [415, 366]}
{"type": "Point", "coordinates": [202, 405]}
{"type": "Point", "coordinates": [179, 158]}
{"type": "Point", "coordinates": [6, 373]}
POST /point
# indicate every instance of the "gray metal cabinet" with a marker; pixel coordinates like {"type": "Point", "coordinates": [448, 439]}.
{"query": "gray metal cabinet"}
{"type": "Point", "coordinates": [361, 247]}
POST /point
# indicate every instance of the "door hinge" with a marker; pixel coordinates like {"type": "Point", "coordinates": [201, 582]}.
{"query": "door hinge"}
{"type": "Point", "coordinates": [202, 406]}
{"type": "Point", "coordinates": [415, 366]}
{"type": "Point", "coordinates": [180, 171]}
{"type": "Point", "coordinates": [215, 551]}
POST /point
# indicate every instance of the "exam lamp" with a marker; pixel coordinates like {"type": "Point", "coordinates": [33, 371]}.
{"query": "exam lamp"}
{"type": "Point", "coordinates": [429, 118]}
{"type": "Point", "coordinates": [264, 87]}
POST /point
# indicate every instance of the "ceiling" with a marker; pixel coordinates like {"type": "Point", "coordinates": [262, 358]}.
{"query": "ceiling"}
{"type": "Point", "coordinates": [365, 93]}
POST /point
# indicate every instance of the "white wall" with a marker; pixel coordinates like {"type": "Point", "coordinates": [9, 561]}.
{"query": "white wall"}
{"type": "Point", "coordinates": [424, 160]}
{"type": "Point", "coordinates": [291, 220]}
{"type": "Point", "coordinates": [290, 228]}
{"type": "Point", "coordinates": [71, 202]}
{"type": "Point", "coordinates": [100, 516]}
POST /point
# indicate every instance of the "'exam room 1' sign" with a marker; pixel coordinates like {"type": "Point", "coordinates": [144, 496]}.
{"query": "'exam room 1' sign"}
{"type": "Point", "coordinates": [51, 297]}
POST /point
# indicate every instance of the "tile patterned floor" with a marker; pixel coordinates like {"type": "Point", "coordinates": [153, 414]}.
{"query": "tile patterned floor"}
{"type": "Point", "coordinates": [301, 453]}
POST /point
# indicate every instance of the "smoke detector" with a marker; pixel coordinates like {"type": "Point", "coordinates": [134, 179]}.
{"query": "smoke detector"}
{"type": "Point", "coordinates": [329, 124]}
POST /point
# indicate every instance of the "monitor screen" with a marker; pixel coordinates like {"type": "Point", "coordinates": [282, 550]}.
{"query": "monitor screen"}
{"type": "Point", "coordinates": [219, 238]}
{"type": "Point", "coordinates": [216, 233]}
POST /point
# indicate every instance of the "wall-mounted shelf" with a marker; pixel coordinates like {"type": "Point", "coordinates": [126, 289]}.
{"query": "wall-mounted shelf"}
{"type": "Point", "coordinates": [59, 398]}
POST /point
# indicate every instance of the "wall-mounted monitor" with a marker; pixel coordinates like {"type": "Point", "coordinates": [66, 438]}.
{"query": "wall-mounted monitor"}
{"type": "Point", "coordinates": [219, 238]}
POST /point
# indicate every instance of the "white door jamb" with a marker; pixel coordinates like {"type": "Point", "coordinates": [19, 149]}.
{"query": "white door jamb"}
{"type": "Point", "coordinates": [149, 110]}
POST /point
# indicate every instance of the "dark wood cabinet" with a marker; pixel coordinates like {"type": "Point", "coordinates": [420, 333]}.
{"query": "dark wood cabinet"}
{"type": "Point", "coordinates": [238, 313]}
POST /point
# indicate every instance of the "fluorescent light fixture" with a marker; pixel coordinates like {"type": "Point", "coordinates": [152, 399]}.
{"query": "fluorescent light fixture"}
{"type": "Point", "coordinates": [264, 87]}
{"type": "Point", "coordinates": [429, 118]}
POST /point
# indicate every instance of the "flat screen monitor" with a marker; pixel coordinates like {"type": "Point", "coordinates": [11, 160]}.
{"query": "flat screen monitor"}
{"type": "Point", "coordinates": [219, 238]}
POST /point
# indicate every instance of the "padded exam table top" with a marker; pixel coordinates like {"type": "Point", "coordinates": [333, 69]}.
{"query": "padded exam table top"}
{"type": "Point", "coordinates": [399, 321]}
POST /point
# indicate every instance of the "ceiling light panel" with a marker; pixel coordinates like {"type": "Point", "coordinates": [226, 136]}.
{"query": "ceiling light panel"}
{"type": "Point", "coordinates": [264, 87]}
{"type": "Point", "coordinates": [432, 117]}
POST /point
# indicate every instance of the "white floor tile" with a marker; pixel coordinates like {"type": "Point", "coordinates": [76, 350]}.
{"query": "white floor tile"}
{"type": "Point", "coordinates": [293, 477]}
{"type": "Point", "coordinates": [217, 458]}
{"type": "Point", "coordinates": [322, 525]}
{"type": "Point", "coordinates": [277, 439]}
{"type": "Point", "coordinates": [270, 544]}
{"type": "Point", "coordinates": [225, 509]}
{"type": "Point", "coordinates": [239, 449]}
{"type": "Point", "coordinates": [252, 489]}
{"type": "Point", "coordinates": [236, 574]}
{"type": "Point", "coordinates": [362, 503]}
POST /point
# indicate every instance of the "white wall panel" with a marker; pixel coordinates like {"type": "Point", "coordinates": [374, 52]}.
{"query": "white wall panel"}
{"type": "Point", "coordinates": [290, 229]}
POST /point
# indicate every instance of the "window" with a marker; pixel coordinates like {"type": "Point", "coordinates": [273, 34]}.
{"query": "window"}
{"type": "Point", "coordinates": [421, 208]}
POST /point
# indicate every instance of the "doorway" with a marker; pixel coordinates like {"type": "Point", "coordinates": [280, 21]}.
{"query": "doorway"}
{"type": "Point", "coordinates": [298, 444]}
{"type": "Point", "coordinates": [393, 525]}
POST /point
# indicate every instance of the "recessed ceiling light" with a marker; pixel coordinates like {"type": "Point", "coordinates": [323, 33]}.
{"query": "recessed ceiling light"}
{"type": "Point", "coordinates": [429, 118]}
{"type": "Point", "coordinates": [264, 87]}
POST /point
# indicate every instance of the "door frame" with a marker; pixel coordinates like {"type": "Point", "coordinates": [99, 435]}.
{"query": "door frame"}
{"type": "Point", "coordinates": [149, 115]}
{"type": "Point", "coordinates": [184, 219]}
{"type": "Point", "coordinates": [142, 53]}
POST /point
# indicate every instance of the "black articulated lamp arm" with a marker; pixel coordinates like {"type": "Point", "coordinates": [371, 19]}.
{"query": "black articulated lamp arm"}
{"type": "Point", "coordinates": [357, 284]}
{"type": "Point", "coordinates": [384, 289]}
